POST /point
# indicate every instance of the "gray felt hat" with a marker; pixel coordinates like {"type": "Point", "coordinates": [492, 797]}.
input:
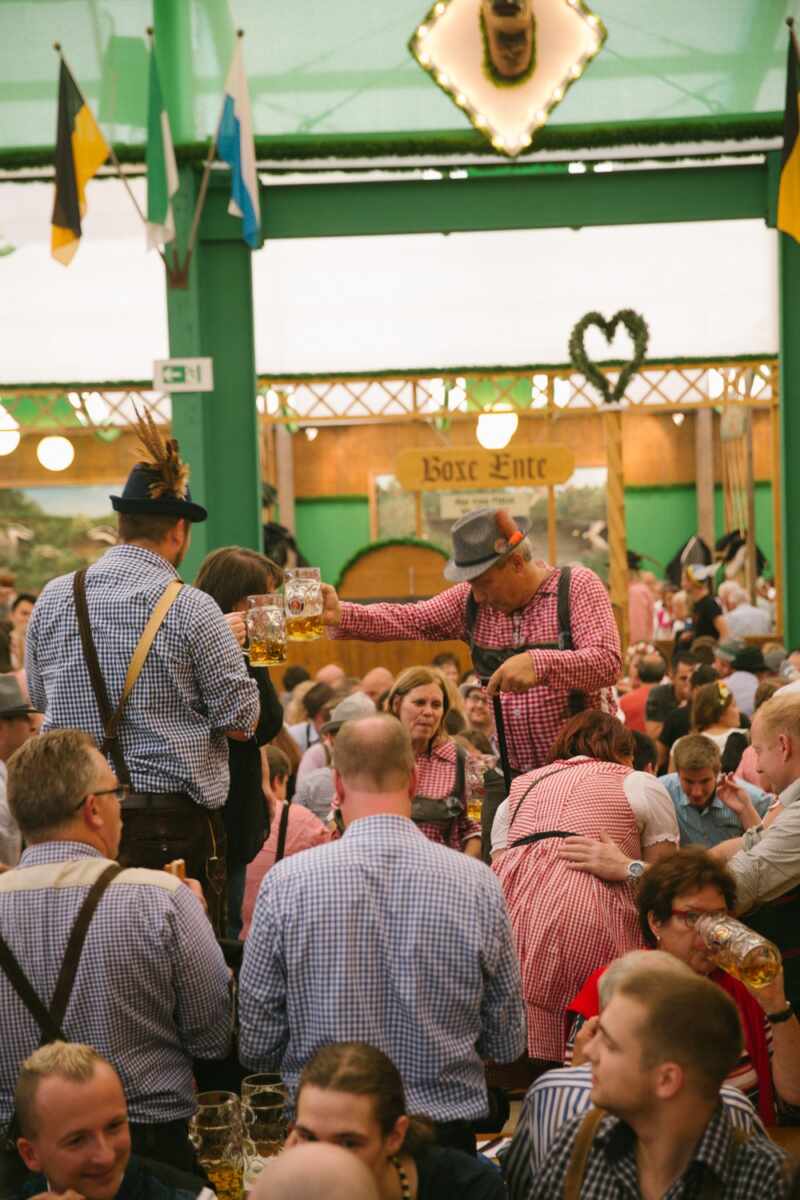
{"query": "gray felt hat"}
{"type": "Point", "coordinates": [350, 709]}
{"type": "Point", "coordinates": [478, 544]}
{"type": "Point", "coordinates": [12, 701]}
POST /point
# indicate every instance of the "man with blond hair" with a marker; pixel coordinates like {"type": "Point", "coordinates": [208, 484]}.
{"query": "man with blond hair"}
{"type": "Point", "coordinates": [365, 939]}
{"type": "Point", "coordinates": [663, 1046]}
{"type": "Point", "coordinates": [74, 1136]}
{"type": "Point", "coordinates": [765, 861]}
{"type": "Point", "coordinates": [125, 960]}
{"type": "Point", "coordinates": [558, 1096]}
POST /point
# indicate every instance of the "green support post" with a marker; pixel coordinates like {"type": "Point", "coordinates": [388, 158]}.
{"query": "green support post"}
{"type": "Point", "coordinates": [217, 431]}
{"type": "Point", "coordinates": [789, 482]}
{"type": "Point", "coordinates": [211, 317]}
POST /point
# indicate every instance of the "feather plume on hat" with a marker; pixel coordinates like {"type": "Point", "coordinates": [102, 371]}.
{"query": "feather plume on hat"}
{"type": "Point", "coordinates": [172, 475]}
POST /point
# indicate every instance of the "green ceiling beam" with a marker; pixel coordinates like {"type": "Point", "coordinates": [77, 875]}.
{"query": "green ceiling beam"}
{"type": "Point", "coordinates": [509, 202]}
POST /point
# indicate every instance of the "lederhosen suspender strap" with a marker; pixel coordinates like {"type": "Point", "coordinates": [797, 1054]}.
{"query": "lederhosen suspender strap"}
{"type": "Point", "coordinates": [50, 1020]}
{"type": "Point", "coordinates": [548, 833]}
{"type": "Point", "coordinates": [282, 830]}
{"type": "Point", "coordinates": [564, 641]}
{"type": "Point", "coordinates": [112, 718]}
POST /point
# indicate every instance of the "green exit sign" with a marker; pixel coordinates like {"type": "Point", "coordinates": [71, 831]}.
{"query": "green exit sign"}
{"type": "Point", "coordinates": [183, 375]}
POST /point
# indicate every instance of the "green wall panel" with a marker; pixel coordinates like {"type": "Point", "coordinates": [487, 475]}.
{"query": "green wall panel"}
{"type": "Point", "coordinates": [330, 530]}
{"type": "Point", "coordinates": [659, 520]}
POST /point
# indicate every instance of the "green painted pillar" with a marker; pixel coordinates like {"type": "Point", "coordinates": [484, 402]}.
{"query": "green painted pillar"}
{"type": "Point", "coordinates": [217, 431]}
{"type": "Point", "coordinates": [212, 317]}
{"type": "Point", "coordinates": [789, 482]}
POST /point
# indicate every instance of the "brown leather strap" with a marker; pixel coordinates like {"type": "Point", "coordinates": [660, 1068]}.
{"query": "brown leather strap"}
{"type": "Point", "coordinates": [581, 1149]}
{"type": "Point", "coordinates": [110, 744]}
{"type": "Point", "coordinates": [282, 830]}
{"type": "Point", "coordinates": [50, 1020]}
{"type": "Point", "coordinates": [112, 718]}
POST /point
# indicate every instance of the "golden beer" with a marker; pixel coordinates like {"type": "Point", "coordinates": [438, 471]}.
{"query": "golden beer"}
{"type": "Point", "coordinates": [739, 950]}
{"type": "Point", "coordinates": [266, 652]}
{"type": "Point", "coordinates": [226, 1179]}
{"type": "Point", "coordinates": [304, 629]}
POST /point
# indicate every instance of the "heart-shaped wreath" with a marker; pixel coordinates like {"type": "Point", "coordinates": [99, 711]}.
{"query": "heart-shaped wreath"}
{"type": "Point", "coordinates": [640, 336]}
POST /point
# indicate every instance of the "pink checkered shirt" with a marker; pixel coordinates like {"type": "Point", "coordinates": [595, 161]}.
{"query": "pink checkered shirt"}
{"type": "Point", "coordinates": [532, 719]}
{"type": "Point", "coordinates": [436, 777]}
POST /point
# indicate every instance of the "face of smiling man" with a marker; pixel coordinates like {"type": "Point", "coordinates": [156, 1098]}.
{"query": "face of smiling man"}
{"type": "Point", "coordinates": [78, 1135]}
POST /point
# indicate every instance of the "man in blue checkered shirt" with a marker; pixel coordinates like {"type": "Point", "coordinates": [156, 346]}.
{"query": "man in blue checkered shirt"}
{"type": "Point", "coordinates": [193, 692]}
{"type": "Point", "coordinates": [388, 938]}
{"type": "Point", "coordinates": [152, 990]}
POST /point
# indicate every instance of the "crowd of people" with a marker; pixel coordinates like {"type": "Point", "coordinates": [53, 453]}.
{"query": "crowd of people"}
{"type": "Point", "coordinates": [407, 893]}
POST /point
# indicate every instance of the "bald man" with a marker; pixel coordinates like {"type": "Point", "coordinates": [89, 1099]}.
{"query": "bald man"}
{"type": "Point", "coordinates": [332, 674]}
{"type": "Point", "coordinates": [375, 683]}
{"type": "Point", "coordinates": [316, 1172]}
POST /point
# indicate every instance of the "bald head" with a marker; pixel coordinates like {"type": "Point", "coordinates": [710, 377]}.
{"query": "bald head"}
{"type": "Point", "coordinates": [376, 682]}
{"type": "Point", "coordinates": [374, 755]}
{"type": "Point", "coordinates": [332, 674]}
{"type": "Point", "coordinates": [316, 1172]}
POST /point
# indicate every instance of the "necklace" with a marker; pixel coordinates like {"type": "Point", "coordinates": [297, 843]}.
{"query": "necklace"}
{"type": "Point", "coordinates": [405, 1187]}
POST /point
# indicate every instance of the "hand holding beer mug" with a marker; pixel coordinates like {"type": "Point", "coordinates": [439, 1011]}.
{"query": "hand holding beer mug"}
{"type": "Point", "coordinates": [266, 630]}
{"type": "Point", "coordinates": [739, 950]}
{"type": "Point", "coordinates": [303, 592]}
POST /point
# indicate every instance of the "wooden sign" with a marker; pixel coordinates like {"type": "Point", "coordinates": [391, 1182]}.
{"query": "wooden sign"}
{"type": "Point", "coordinates": [462, 468]}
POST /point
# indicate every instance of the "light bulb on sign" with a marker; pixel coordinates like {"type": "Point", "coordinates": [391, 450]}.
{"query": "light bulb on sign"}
{"type": "Point", "coordinates": [311, 432]}
{"type": "Point", "coordinates": [497, 427]}
{"type": "Point", "coordinates": [679, 418]}
{"type": "Point", "coordinates": [55, 453]}
{"type": "Point", "coordinates": [9, 440]}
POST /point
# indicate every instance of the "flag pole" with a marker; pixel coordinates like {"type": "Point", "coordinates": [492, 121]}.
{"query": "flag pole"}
{"type": "Point", "coordinates": [201, 198]}
{"type": "Point", "coordinates": [111, 151]}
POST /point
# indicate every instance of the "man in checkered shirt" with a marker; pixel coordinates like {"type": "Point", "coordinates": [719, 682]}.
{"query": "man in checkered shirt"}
{"type": "Point", "coordinates": [152, 990]}
{"type": "Point", "coordinates": [662, 1049]}
{"type": "Point", "coordinates": [193, 692]}
{"type": "Point", "coordinates": [514, 600]}
{"type": "Point", "coordinates": [388, 938]}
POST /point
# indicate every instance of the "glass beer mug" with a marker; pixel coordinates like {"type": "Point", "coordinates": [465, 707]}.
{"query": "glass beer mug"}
{"type": "Point", "coordinates": [303, 592]}
{"type": "Point", "coordinates": [215, 1131]}
{"type": "Point", "coordinates": [263, 1121]}
{"type": "Point", "coordinates": [739, 950]}
{"type": "Point", "coordinates": [266, 630]}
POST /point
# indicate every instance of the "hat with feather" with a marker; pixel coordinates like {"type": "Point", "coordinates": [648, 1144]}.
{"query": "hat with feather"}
{"type": "Point", "coordinates": [158, 486]}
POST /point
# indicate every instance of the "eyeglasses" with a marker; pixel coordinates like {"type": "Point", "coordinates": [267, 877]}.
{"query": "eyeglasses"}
{"type": "Point", "coordinates": [689, 917]}
{"type": "Point", "coordinates": [120, 790]}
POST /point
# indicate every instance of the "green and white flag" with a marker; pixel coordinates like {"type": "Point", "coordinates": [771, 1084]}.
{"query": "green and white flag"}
{"type": "Point", "coordinates": [162, 170]}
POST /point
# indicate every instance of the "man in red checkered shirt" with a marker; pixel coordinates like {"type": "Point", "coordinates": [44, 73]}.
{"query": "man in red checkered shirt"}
{"type": "Point", "coordinates": [532, 649]}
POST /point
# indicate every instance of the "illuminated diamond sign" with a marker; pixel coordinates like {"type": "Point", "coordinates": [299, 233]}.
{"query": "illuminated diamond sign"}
{"type": "Point", "coordinates": [507, 63]}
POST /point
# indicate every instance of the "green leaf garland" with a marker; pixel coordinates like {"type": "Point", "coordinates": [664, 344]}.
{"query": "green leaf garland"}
{"type": "Point", "coordinates": [640, 335]}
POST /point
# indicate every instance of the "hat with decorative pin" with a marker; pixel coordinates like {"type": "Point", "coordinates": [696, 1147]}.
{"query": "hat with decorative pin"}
{"type": "Point", "coordinates": [158, 486]}
{"type": "Point", "coordinates": [481, 539]}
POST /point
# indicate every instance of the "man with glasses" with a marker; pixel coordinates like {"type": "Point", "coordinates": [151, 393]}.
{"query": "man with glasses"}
{"type": "Point", "coordinates": [123, 960]}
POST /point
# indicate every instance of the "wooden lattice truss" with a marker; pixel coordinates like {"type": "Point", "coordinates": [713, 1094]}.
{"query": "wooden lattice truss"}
{"type": "Point", "coordinates": [448, 396]}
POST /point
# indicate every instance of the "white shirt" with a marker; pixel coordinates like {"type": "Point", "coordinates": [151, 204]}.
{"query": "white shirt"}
{"type": "Point", "coordinates": [10, 836]}
{"type": "Point", "coordinates": [650, 801]}
{"type": "Point", "coordinates": [748, 621]}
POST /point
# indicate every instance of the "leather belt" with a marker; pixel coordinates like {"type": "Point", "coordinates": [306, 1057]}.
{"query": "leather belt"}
{"type": "Point", "coordinates": [158, 800]}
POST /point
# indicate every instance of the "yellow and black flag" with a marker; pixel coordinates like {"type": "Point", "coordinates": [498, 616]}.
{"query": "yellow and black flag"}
{"type": "Point", "coordinates": [789, 190]}
{"type": "Point", "coordinates": [80, 150]}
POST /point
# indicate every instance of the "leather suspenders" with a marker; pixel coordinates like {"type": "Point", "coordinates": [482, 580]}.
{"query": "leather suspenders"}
{"type": "Point", "coordinates": [112, 718]}
{"type": "Point", "coordinates": [51, 1019]}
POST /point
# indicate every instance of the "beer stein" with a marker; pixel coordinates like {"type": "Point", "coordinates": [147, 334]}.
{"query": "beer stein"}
{"type": "Point", "coordinates": [266, 630]}
{"type": "Point", "coordinates": [303, 593]}
{"type": "Point", "coordinates": [264, 1122]}
{"type": "Point", "coordinates": [739, 950]}
{"type": "Point", "coordinates": [215, 1131]}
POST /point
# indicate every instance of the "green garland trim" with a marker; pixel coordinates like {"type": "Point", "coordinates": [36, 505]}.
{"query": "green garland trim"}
{"type": "Point", "coordinates": [420, 543]}
{"type": "Point", "coordinates": [640, 334]}
{"type": "Point", "coordinates": [452, 142]}
{"type": "Point", "coordinates": [490, 70]}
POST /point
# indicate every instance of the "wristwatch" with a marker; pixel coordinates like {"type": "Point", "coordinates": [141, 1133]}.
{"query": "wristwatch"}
{"type": "Point", "coordinates": [635, 869]}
